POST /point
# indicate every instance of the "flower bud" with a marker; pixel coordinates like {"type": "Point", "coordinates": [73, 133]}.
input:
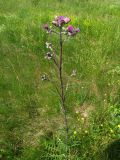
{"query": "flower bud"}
{"type": "Point", "coordinates": [46, 26]}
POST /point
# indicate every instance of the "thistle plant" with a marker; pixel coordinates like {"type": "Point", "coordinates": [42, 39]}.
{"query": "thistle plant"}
{"type": "Point", "coordinates": [58, 28]}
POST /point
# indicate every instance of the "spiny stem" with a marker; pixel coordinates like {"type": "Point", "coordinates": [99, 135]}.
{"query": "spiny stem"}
{"type": "Point", "coordinates": [62, 86]}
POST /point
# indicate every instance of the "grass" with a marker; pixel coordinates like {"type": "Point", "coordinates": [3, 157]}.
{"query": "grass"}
{"type": "Point", "coordinates": [30, 111]}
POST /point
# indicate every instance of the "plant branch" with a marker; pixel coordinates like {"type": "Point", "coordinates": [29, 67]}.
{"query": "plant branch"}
{"type": "Point", "coordinates": [62, 86]}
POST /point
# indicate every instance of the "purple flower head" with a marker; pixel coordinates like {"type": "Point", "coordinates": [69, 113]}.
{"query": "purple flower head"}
{"type": "Point", "coordinates": [77, 30]}
{"type": "Point", "coordinates": [70, 29]}
{"type": "Point", "coordinates": [61, 20]}
{"type": "Point", "coordinates": [67, 20]}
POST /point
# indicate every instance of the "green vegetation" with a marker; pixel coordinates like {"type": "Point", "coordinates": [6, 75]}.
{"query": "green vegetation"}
{"type": "Point", "coordinates": [30, 117]}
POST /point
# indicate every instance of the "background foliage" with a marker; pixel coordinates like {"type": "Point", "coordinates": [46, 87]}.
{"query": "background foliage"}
{"type": "Point", "coordinates": [31, 123]}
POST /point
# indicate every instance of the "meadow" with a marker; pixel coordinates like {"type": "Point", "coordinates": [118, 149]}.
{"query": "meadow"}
{"type": "Point", "coordinates": [31, 122]}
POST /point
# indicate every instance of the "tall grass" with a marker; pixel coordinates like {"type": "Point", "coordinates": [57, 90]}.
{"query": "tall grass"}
{"type": "Point", "coordinates": [30, 121]}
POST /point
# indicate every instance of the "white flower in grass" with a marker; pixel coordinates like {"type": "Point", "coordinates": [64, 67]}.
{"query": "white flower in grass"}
{"type": "Point", "coordinates": [49, 46]}
{"type": "Point", "coordinates": [43, 77]}
{"type": "Point", "coordinates": [49, 56]}
{"type": "Point", "coordinates": [74, 72]}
